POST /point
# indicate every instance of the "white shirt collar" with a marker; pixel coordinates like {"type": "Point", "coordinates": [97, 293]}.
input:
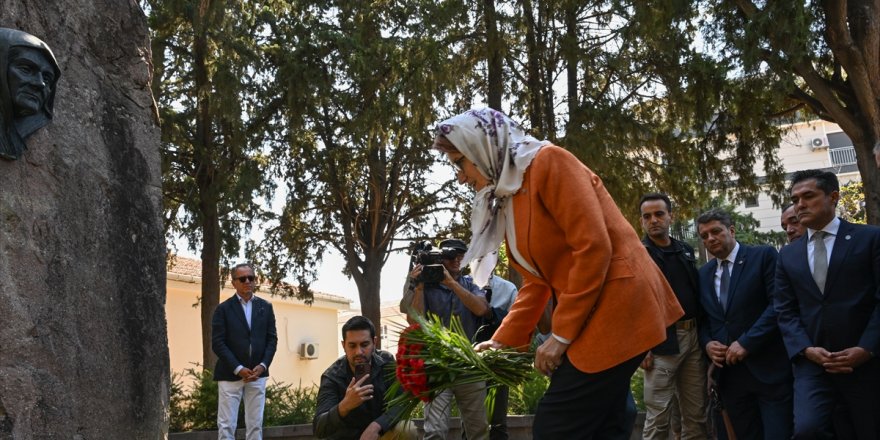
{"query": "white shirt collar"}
{"type": "Point", "coordinates": [831, 228]}
{"type": "Point", "coordinates": [731, 256]}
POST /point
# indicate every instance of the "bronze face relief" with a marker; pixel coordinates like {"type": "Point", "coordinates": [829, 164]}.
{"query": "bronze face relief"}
{"type": "Point", "coordinates": [27, 89]}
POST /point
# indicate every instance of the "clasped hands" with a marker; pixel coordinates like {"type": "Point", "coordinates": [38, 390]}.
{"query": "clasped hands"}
{"type": "Point", "coordinates": [721, 354]}
{"type": "Point", "coordinates": [843, 361]}
{"type": "Point", "coordinates": [249, 375]}
{"type": "Point", "coordinates": [548, 356]}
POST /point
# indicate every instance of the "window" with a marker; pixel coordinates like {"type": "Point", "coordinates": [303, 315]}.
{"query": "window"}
{"type": "Point", "coordinates": [751, 201]}
{"type": "Point", "coordinates": [842, 151]}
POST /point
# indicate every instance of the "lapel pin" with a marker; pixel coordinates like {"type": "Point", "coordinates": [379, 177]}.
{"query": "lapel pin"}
{"type": "Point", "coordinates": [848, 237]}
{"type": "Point", "coordinates": [739, 262]}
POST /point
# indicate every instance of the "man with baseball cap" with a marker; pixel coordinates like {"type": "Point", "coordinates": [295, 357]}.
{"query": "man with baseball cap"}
{"type": "Point", "coordinates": [455, 295]}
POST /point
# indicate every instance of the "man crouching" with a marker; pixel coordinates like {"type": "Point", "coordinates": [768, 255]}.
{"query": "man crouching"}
{"type": "Point", "coordinates": [351, 403]}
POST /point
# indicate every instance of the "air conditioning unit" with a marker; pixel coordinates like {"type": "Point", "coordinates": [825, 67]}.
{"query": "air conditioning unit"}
{"type": "Point", "coordinates": [819, 143]}
{"type": "Point", "coordinates": [308, 350]}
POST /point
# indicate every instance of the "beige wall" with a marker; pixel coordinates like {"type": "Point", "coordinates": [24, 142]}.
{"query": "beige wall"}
{"type": "Point", "coordinates": [393, 322]}
{"type": "Point", "coordinates": [296, 323]}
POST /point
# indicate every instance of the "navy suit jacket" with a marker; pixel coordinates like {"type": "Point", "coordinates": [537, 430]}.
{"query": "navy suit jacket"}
{"type": "Point", "coordinates": [750, 318]}
{"type": "Point", "coordinates": [847, 314]}
{"type": "Point", "coordinates": [235, 344]}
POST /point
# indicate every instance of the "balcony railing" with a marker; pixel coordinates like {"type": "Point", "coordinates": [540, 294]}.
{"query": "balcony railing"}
{"type": "Point", "coordinates": [843, 156]}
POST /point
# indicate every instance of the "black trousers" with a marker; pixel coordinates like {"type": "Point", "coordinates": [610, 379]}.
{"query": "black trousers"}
{"type": "Point", "coordinates": [586, 406]}
{"type": "Point", "coordinates": [757, 410]}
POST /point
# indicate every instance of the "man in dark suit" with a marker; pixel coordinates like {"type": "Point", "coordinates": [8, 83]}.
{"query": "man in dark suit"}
{"type": "Point", "coordinates": [740, 333]}
{"type": "Point", "coordinates": [828, 289]}
{"type": "Point", "coordinates": [244, 338]}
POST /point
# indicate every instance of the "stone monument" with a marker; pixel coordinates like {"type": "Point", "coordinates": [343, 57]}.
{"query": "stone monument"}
{"type": "Point", "coordinates": [83, 346]}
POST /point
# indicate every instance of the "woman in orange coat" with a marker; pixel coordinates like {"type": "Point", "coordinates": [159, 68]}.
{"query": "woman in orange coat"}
{"type": "Point", "coordinates": [570, 242]}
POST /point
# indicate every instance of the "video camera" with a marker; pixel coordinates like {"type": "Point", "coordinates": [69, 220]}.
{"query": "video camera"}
{"type": "Point", "coordinates": [431, 259]}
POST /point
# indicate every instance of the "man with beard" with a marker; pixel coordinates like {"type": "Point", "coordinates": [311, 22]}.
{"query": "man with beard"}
{"type": "Point", "coordinates": [675, 372]}
{"type": "Point", "coordinates": [351, 399]}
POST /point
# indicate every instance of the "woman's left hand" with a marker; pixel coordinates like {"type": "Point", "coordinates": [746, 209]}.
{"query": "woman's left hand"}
{"type": "Point", "coordinates": [488, 345]}
{"type": "Point", "coordinates": [548, 357]}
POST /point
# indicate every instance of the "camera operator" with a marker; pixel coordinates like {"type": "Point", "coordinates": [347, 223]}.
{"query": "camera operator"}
{"type": "Point", "coordinates": [454, 295]}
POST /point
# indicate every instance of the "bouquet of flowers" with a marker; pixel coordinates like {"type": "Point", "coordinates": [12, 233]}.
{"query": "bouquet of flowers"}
{"type": "Point", "coordinates": [432, 358]}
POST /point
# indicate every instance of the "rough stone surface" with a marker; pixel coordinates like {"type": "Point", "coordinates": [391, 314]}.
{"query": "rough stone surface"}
{"type": "Point", "coordinates": [83, 346]}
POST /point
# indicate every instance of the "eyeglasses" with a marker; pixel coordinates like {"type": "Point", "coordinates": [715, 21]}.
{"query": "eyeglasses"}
{"type": "Point", "coordinates": [246, 279]}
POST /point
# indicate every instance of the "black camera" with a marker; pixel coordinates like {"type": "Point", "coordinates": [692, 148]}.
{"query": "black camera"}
{"type": "Point", "coordinates": [431, 259]}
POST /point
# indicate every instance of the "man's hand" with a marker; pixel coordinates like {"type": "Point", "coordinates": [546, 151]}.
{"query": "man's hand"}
{"type": "Point", "coordinates": [255, 373]}
{"type": "Point", "coordinates": [717, 353]}
{"type": "Point", "coordinates": [448, 280]}
{"type": "Point", "coordinates": [372, 432]}
{"type": "Point", "coordinates": [548, 357]}
{"type": "Point", "coordinates": [246, 373]}
{"type": "Point", "coordinates": [415, 272]}
{"type": "Point", "coordinates": [817, 355]}
{"type": "Point", "coordinates": [356, 394]}
{"type": "Point", "coordinates": [735, 353]}
{"type": "Point", "coordinates": [845, 361]}
{"type": "Point", "coordinates": [648, 362]}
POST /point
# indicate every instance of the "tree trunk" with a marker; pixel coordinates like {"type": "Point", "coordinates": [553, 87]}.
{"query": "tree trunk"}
{"type": "Point", "coordinates": [210, 256]}
{"type": "Point", "coordinates": [570, 53]}
{"type": "Point", "coordinates": [205, 180]}
{"type": "Point", "coordinates": [369, 288]}
{"type": "Point", "coordinates": [870, 180]}
{"type": "Point", "coordinates": [494, 56]}
{"type": "Point", "coordinates": [533, 72]}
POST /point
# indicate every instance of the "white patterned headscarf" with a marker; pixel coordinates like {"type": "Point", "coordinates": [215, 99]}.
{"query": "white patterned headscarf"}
{"type": "Point", "coordinates": [501, 151]}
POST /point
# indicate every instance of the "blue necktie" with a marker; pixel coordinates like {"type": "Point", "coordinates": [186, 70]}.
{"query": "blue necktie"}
{"type": "Point", "coordinates": [725, 284]}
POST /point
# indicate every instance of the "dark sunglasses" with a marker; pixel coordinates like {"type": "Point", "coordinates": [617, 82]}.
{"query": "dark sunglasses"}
{"type": "Point", "coordinates": [246, 279]}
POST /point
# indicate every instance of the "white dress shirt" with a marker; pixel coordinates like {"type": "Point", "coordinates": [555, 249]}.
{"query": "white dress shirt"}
{"type": "Point", "coordinates": [731, 257]}
{"type": "Point", "coordinates": [830, 236]}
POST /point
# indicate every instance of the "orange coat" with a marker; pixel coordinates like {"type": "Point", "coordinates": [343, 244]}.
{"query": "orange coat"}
{"type": "Point", "coordinates": [612, 301]}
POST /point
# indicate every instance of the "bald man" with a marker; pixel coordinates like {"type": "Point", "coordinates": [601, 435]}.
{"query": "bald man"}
{"type": "Point", "coordinates": [790, 223]}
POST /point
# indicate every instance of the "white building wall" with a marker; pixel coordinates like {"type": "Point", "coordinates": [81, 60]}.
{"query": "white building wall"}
{"type": "Point", "coordinates": [796, 151]}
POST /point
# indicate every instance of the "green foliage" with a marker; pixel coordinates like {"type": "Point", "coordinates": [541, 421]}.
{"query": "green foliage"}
{"type": "Point", "coordinates": [637, 386]}
{"type": "Point", "coordinates": [524, 398]}
{"type": "Point", "coordinates": [433, 357]}
{"type": "Point", "coordinates": [286, 405]}
{"type": "Point", "coordinates": [851, 206]}
{"type": "Point", "coordinates": [195, 408]}
{"type": "Point", "coordinates": [769, 63]}
{"type": "Point", "coordinates": [356, 87]}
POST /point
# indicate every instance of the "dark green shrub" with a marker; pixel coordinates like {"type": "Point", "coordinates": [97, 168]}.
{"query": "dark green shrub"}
{"type": "Point", "coordinates": [286, 405]}
{"type": "Point", "coordinates": [194, 408]}
{"type": "Point", "coordinates": [524, 398]}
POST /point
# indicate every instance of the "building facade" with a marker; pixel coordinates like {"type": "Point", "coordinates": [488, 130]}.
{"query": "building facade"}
{"type": "Point", "coordinates": [308, 337]}
{"type": "Point", "coordinates": [806, 145]}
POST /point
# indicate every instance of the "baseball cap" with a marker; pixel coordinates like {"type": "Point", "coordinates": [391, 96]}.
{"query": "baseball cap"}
{"type": "Point", "coordinates": [453, 243]}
